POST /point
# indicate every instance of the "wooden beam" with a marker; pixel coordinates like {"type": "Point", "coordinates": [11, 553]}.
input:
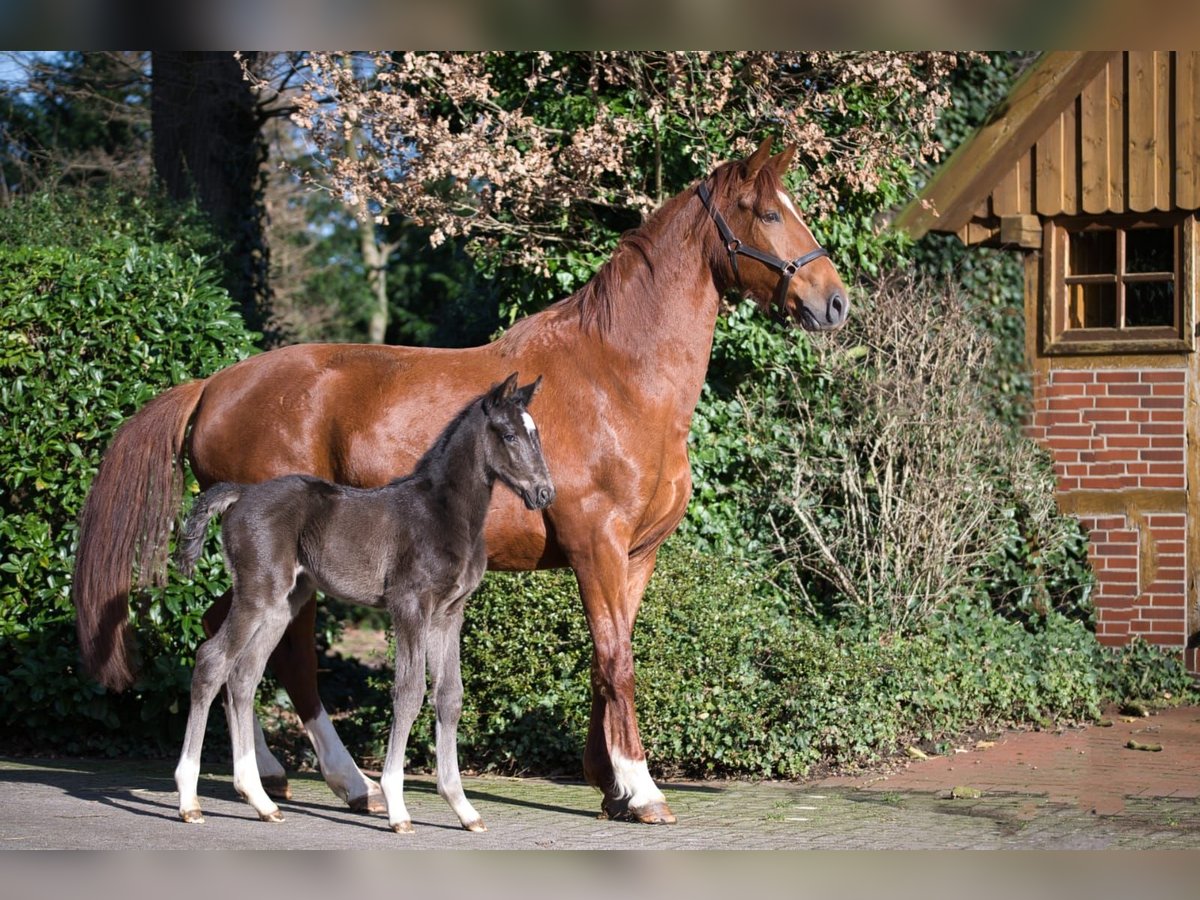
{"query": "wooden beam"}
{"type": "Point", "coordinates": [971, 172]}
{"type": "Point", "coordinates": [1021, 231]}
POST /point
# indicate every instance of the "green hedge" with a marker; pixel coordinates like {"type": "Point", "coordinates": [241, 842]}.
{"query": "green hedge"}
{"type": "Point", "coordinates": [730, 685]}
{"type": "Point", "coordinates": [101, 308]}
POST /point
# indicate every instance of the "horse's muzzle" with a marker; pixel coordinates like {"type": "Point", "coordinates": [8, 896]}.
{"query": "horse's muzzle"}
{"type": "Point", "coordinates": [832, 317]}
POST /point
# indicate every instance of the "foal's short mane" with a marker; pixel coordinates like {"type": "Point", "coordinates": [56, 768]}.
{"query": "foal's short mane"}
{"type": "Point", "coordinates": [631, 268]}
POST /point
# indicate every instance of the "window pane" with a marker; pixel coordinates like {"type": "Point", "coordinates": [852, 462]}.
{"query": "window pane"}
{"type": "Point", "coordinates": [1092, 305]}
{"type": "Point", "coordinates": [1093, 253]}
{"type": "Point", "coordinates": [1149, 303]}
{"type": "Point", "coordinates": [1150, 250]}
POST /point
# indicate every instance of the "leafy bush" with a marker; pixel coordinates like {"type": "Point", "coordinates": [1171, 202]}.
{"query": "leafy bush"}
{"type": "Point", "coordinates": [101, 308]}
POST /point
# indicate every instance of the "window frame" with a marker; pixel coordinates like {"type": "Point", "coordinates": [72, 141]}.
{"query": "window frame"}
{"type": "Point", "coordinates": [1059, 339]}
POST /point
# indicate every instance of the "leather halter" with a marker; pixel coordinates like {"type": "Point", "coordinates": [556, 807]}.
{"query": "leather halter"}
{"type": "Point", "coordinates": [734, 246]}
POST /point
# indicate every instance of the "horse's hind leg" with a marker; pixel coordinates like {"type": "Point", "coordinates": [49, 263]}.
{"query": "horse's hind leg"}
{"type": "Point", "coordinates": [214, 661]}
{"type": "Point", "coordinates": [272, 775]}
{"type": "Point", "coordinates": [294, 663]}
{"type": "Point", "coordinates": [243, 682]}
{"type": "Point", "coordinates": [445, 673]}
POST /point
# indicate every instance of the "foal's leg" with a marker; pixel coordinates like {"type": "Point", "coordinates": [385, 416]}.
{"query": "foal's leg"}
{"type": "Point", "coordinates": [270, 772]}
{"type": "Point", "coordinates": [611, 586]}
{"type": "Point", "coordinates": [407, 694]}
{"type": "Point", "coordinates": [214, 662]}
{"type": "Point", "coordinates": [445, 674]}
{"type": "Point", "coordinates": [242, 685]}
{"type": "Point", "coordinates": [294, 662]}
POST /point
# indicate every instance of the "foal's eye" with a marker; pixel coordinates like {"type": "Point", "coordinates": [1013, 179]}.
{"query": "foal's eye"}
{"type": "Point", "coordinates": [510, 438]}
{"type": "Point", "coordinates": [770, 216]}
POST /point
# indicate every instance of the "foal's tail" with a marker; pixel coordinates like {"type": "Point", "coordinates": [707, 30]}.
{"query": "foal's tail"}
{"type": "Point", "coordinates": [125, 525]}
{"type": "Point", "coordinates": [212, 502]}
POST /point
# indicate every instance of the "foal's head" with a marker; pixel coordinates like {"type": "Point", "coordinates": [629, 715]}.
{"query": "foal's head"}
{"type": "Point", "coordinates": [513, 449]}
{"type": "Point", "coordinates": [761, 216]}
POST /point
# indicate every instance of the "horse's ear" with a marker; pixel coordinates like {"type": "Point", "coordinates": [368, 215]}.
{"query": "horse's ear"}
{"type": "Point", "coordinates": [500, 392]}
{"type": "Point", "coordinates": [525, 394]}
{"type": "Point", "coordinates": [757, 159]}
{"type": "Point", "coordinates": [782, 161]}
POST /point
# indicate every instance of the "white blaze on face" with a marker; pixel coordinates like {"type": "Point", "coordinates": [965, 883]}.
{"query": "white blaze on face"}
{"type": "Point", "coordinates": [790, 207]}
{"type": "Point", "coordinates": [528, 420]}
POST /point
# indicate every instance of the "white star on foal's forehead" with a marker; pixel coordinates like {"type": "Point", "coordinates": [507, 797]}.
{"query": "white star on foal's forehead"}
{"type": "Point", "coordinates": [529, 426]}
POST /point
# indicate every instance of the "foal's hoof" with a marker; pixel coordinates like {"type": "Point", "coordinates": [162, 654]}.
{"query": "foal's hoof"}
{"type": "Point", "coordinates": [373, 803]}
{"type": "Point", "coordinates": [403, 828]}
{"type": "Point", "coordinates": [273, 817]}
{"type": "Point", "coordinates": [276, 786]}
{"type": "Point", "coordinates": [654, 813]}
{"type": "Point", "coordinates": [477, 826]}
{"type": "Point", "coordinates": [192, 816]}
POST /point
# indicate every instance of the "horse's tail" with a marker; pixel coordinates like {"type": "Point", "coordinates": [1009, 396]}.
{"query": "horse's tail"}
{"type": "Point", "coordinates": [212, 502]}
{"type": "Point", "coordinates": [125, 527]}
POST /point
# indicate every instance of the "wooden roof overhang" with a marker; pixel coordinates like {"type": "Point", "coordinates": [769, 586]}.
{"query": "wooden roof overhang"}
{"type": "Point", "coordinates": [1081, 133]}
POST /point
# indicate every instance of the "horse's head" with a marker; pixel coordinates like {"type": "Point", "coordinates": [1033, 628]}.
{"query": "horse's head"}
{"type": "Point", "coordinates": [513, 448]}
{"type": "Point", "coordinates": [763, 247]}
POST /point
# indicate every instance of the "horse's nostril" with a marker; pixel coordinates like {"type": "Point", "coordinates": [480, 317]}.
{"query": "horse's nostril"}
{"type": "Point", "coordinates": [837, 308]}
{"type": "Point", "coordinates": [544, 496]}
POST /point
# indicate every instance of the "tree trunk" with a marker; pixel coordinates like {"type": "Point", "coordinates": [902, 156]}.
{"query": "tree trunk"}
{"type": "Point", "coordinates": [208, 146]}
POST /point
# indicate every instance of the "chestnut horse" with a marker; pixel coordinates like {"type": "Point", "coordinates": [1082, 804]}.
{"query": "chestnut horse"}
{"type": "Point", "coordinates": [624, 359]}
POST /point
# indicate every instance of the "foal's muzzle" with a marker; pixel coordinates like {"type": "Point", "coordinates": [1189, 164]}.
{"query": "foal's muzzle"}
{"type": "Point", "coordinates": [539, 496]}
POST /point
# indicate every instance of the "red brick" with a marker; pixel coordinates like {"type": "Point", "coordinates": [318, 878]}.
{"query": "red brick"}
{"type": "Point", "coordinates": [1164, 376]}
{"type": "Point", "coordinates": [1116, 376]}
{"type": "Point", "coordinates": [1162, 402]}
{"type": "Point", "coordinates": [1173, 468]}
{"type": "Point", "coordinates": [1074, 430]}
{"type": "Point", "coordinates": [1126, 440]}
{"type": "Point", "coordinates": [1134, 390]}
{"type": "Point", "coordinates": [1165, 416]}
{"type": "Point", "coordinates": [1106, 428]}
{"type": "Point", "coordinates": [1166, 390]}
{"type": "Point", "coordinates": [1104, 414]}
{"type": "Point", "coordinates": [1115, 403]}
{"type": "Point", "coordinates": [1053, 419]}
{"type": "Point", "coordinates": [1063, 404]}
{"type": "Point", "coordinates": [1161, 482]}
{"type": "Point", "coordinates": [1175, 456]}
{"type": "Point", "coordinates": [1112, 639]}
{"type": "Point", "coordinates": [1073, 376]}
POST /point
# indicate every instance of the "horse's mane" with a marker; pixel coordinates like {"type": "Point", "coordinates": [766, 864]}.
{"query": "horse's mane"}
{"type": "Point", "coordinates": [631, 268]}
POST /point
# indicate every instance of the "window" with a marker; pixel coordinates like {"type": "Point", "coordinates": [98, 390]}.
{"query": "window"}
{"type": "Point", "coordinates": [1117, 287]}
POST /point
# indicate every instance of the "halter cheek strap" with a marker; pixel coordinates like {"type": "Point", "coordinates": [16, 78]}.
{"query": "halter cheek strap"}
{"type": "Point", "coordinates": [735, 248]}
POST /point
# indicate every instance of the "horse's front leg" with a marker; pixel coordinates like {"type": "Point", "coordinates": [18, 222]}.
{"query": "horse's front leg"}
{"type": "Point", "coordinates": [445, 674]}
{"type": "Point", "coordinates": [407, 693]}
{"type": "Point", "coordinates": [614, 760]}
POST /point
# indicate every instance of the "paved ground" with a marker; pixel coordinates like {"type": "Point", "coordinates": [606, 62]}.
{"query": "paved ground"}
{"type": "Point", "coordinates": [1080, 788]}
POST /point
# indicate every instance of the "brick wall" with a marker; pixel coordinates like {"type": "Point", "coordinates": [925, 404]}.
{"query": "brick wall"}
{"type": "Point", "coordinates": [1117, 437]}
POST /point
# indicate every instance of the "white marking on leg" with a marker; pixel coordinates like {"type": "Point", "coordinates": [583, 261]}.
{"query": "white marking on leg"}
{"type": "Point", "coordinates": [247, 783]}
{"type": "Point", "coordinates": [529, 424]}
{"type": "Point", "coordinates": [341, 774]}
{"type": "Point", "coordinates": [187, 777]}
{"type": "Point", "coordinates": [632, 780]}
{"type": "Point", "coordinates": [392, 784]}
{"type": "Point", "coordinates": [268, 765]}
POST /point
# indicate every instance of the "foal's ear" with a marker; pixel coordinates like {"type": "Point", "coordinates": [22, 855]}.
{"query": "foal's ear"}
{"type": "Point", "coordinates": [756, 161]}
{"type": "Point", "coordinates": [525, 394]}
{"type": "Point", "coordinates": [500, 392]}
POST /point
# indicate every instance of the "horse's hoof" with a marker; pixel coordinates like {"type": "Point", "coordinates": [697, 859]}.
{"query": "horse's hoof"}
{"type": "Point", "coordinates": [403, 828]}
{"type": "Point", "coordinates": [274, 817]}
{"type": "Point", "coordinates": [372, 804]}
{"type": "Point", "coordinates": [654, 813]}
{"type": "Point", "coordinates": [477, 826]}
{"type": "Point", "coordinates": [276, 786]}
{"type": "Point", "coordinates": [192, 816]}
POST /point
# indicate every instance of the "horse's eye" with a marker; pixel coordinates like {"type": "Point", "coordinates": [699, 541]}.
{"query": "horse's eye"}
{"type": "Point", "coordinates": [510, 438]}
{"type": "Point", "coordinates": [770, 216]}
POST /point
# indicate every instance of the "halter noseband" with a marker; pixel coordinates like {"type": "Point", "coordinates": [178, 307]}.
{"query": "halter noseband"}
{"type": "Point", "coordinates": [734, 246]}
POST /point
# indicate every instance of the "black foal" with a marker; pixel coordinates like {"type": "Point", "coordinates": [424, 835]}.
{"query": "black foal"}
{"type": "Point", "coordinates": [414, 545]}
